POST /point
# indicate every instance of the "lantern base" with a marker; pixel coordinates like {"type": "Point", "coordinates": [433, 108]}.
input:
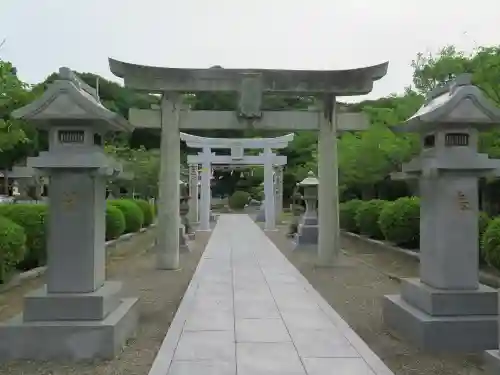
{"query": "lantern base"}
{"type": "Point", "coordinates": [444, 320]}
{"type": "Point", "coordinates": [492, 362]}
{"type": "Point", "coordinates": [307, 235]}
{"type": "Point", "coordinates": [69, 340]}
{"type": "Point", "coordinates": [183, 240]}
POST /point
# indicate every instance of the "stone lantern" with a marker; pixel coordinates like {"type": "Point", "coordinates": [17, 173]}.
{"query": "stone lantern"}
{"type": "Point", "coordinates": [77, 314]}
{"type": "Point", "coordinates": [308, 229]}
{"type": "Point", "coordinates": [446, 308]}
{"type": "Point", "coordinates": [184, 227]}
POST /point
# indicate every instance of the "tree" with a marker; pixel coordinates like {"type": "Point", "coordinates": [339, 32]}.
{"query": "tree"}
{"type": "Point", "coordinates": [17, 139]}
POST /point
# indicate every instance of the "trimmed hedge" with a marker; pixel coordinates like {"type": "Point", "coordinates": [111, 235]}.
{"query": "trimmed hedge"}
{"type": "Point", "coordinates": [115, 222]}
{"type": "Point", "coordinates": [134, 218]}
{"type": "Point", "coordinates": [367, 218]}
{"type": "Point", "coordinates": [147, 211]}
{"type": "Point", "coordinates": [400, 222]}
{"type": "Point", "coordinates": [491, 243]}
{"type": "Point", "coordinates": [347, 215]}
{"type": "Point", "coordinates": [12, 247]}
{"type": "Point", "coordinates": [33, 218]}
{"type": "Point", "coordinates": [238, 200]}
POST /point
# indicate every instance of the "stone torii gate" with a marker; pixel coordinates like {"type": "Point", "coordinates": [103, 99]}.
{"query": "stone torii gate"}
{"type": "Point", "coordinates": [251, 84]}
{"type": "Point", "coordinates": [237, 145]}
{"type": "Point", "coordinates": [267, 159]}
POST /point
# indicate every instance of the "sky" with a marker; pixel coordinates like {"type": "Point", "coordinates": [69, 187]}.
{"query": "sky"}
{"type": "Point", "coordinates": [43, 35]}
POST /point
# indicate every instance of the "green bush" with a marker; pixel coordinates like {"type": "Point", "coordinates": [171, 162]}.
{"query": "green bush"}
{"type": "Point", "coordinates": [12, 247]}
{"type": "Point", "coordinates": [33, 218]}
{"type": "Point", "coordinates": [132, 213]}
{"type": "Point", "coordinates": [483, 221]}
{"type": "Point", "coordinates": [347, 215]}
{"type": "Point", "coordinates": [147, 211]}
{"type": "Point", "coordinates": [115, 222]}
{"type": "Point", "coordinates": [400, 222]}
{"type": "Point", "coordinates": [491, 243]}
{"type": "Point", "coordinates": [367, 218]}
{"type": "Point", "coordinates": [238, 200]}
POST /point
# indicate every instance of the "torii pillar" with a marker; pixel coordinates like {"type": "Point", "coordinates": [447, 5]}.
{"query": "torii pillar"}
{"type": "Point", "coordinates": [251, 84]}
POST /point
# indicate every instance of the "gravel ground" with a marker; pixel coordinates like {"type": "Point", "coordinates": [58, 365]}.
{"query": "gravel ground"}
{"type": "Point", "coordinates": [354, 289]}
{"type": "Point", "coordinates": [160, 293]}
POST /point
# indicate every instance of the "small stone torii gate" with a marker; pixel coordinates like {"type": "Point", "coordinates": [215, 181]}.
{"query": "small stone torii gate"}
{"type": "Point", "coordinates": [237, 145]}
{"type": "Point", "coordinates": [251, 84]}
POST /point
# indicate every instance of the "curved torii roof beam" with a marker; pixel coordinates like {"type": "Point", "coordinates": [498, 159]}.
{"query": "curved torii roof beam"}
{"type": "Point", "coordinates": [200, 142]}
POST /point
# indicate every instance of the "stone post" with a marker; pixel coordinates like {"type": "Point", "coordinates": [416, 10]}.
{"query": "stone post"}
{"type": "Point", "coordinates": [77, 314]}
{"type": "Point", "coordinates": [329, 231]}
{"type": "Point", "coordinates": [205, 197]}
{"type": "Point", "coordinates": [269, 208]}
{"type": "Point", "coordinates": [193, 193]}
{"type": "Point", "coordinates": [168, 200]}
{"type": "Point", "coordinates": [446, 309]}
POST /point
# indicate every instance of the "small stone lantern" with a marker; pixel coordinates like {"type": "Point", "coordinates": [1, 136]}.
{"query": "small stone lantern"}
{"type": "Point", "coordinates": [308, 229]}
{"type": "Point", "coordinates": [77, 314]}
{"type": "Point", "coordinates": [184, 227]}
{"type": "Point", "coordinates": [447, 308]}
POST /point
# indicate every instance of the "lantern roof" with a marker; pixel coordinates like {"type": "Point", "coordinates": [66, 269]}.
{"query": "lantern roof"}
{"type": "Point", "coordinates": [68, 99]}
{"type": "Point", "coordinates": [310, 180]}
{"type": "Point", "coordinates": [457, 104]}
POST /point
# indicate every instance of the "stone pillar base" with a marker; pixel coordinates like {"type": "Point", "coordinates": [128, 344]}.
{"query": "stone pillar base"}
{"type": "Point", "coordinates": [70, 339]}
{"type": "Point", "coordinates": [492, 362]}
{"type": "Point", "coordinates": [444, 320]}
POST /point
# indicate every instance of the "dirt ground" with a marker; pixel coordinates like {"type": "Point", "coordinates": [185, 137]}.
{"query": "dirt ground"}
{"type": "Point", "coordinates": [354, 289]}
{"type": "Point", "coordinates": [160, 293]}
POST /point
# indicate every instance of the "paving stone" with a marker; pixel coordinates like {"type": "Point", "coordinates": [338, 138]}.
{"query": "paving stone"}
{"type": "Point", "coordinates": [252, 313]}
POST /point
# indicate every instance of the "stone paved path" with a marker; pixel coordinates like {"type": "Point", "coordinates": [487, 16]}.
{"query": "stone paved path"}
{"type": "Point", "coordinates": [248, 311]}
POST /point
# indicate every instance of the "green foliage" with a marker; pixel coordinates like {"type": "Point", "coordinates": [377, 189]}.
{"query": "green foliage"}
{"type": "Point", "coordinates": [33, 218]}
{"type": "Point", "coordinates": [132, 213]}
{"type": "Point", "coordinates": [483, 222]}
{"type": "Point", "coordinates": [115, 222]}
{"type": "Point", "coordinates": [347, 215]}
{"type": "Point", "coordinates": [147, 211]}
{"type": "Point", "coordinates": [12, 246]}
{"type": "Point", "coordinates": [143, 164]}
{"type": "Point", "coordinates": [238, 200]}
{"type": "Point", "coordinates": [491, 243]}
{"type": "Point", "coordinates": [400, 222]}
{"type": "Point", "coordinates": [367, 218]}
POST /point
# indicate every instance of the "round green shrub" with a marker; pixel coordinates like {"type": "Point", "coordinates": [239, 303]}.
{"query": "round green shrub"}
{"type": "Point", "coordinates": [132, 213]}
{"type": "Point", "coordinates": [238, 200]}
{"type": "Point", "coordinates": [115, 222]}
{"type": "Point", "coordinates": [347, 215]}
{"type": "Point", "coordinates": [482, 224]}
{"type": "Point", "coordinates": [367, 218]}
{"type": "Point", "coordinates": [400, 222]}
{"type": "Point", "coordinates": [147, 211]}
{"type": "Point", "coordinates": [33, 218]}
{"type": "Point", "coordinates": [491, 243]}
{"type": "Point", "coordinates": [12, 247]}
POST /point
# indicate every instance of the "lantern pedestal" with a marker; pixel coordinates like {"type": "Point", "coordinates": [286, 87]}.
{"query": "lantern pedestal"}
{"type": "Point", "coordinates": [308, 230]}
{"type": "Point", "coordinates": [184, 225]}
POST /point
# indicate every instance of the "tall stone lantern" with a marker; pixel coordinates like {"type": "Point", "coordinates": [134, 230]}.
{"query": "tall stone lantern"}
{"type": "Point", "coordinates": [77, 314]}
{"type": "Point", "coordinates": [308, 229]}
{"type": "Point", "coordinates": [447, 309]}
